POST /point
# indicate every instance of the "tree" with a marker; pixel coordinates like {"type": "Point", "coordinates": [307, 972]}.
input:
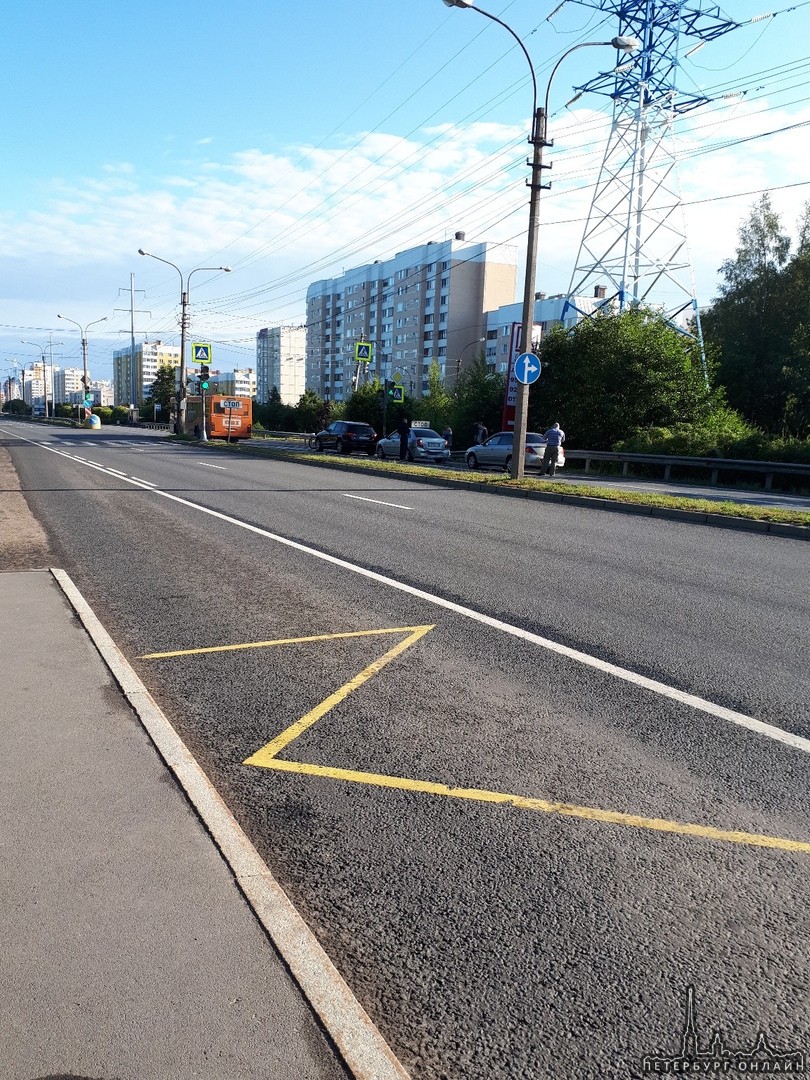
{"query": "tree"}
{"type": "Point", "coordinates": [17, 407]}
{"type": "Point", "coordinates": [479, 395]}
{"type": "Point", "coordinates": [616, 373]}
{"type": "Point", "coordinates": [312, 412]}
{"type": "Point", "coordinates": [758, 325]}
{"type": "Point", "coordinates": [437, 405]}
{"type": "Point", "coordinates": [161, 392]}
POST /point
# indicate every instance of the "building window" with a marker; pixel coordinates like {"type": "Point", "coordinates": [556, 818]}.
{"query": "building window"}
{"type": "Point", "coordinates": [428, 320]}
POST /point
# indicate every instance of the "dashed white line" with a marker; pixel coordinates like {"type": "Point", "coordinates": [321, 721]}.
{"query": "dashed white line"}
{"type": "Point", "coordinates": [787, 738]}
{"type": "Point", "coordinates": [378, 501]}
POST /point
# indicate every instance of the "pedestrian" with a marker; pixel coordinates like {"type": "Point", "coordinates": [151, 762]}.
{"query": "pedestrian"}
{"type": "Point", "coordinates": [404, 429]}
{"type": "Point", "coordinates": [555, 437]}
{"type": "Point", "coordinates": [447, 435]}
{"type": "Point", "coordinates": [480, 433]}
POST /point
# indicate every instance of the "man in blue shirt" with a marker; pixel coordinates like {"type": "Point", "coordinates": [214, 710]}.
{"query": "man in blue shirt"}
{"type": "Point", "coordinates": [554, 437]}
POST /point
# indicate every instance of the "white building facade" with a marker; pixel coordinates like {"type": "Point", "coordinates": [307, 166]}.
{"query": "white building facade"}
{"type": "Point", "coordinates": [133, 376]}
{"type": "Point", "coordinates": [281, 363]}
{"type": "Point", "coordinates": [426, 304]}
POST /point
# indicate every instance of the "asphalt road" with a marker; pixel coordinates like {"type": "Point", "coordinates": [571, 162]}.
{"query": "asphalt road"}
{"type": "Point", "coordinates": [532, 826]}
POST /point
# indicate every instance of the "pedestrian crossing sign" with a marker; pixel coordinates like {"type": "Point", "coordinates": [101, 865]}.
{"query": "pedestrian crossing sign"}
{"type": "Point", "coordinates": [398, 394]}
{"type": "Point", "coordinates": [362, 351]}
{"type": "Point", "coordinates": [201, 352]}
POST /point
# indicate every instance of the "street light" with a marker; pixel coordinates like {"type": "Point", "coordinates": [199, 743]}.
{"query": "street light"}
{"type": "Point", "coordinates": [537, 138]}
{"type": "Point", "coordinates": [185, 286]}
{"type": "Point", "coordinates": [475, 341]}
{"type": "Point", "coordinates": [83, 332]}
{"type": "Point", "coordinates": [42, 349]}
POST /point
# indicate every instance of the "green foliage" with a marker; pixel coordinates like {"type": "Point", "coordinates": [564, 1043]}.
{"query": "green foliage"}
{"type": "Point", "coordinates": [274, 415]}
{"type": "Point", "coordinates": [161, 392]}
{"type": "Point", "coordinates": [312, 412]}
{"type": "Point", "coordinates": [437, 405]}
{"type": "Point", "coordinates": [759, 325]}
{"type": "Point", "coordinates": [724, 433]}
{"type": "Point", "coordinates": [479, 395]}
{"type": "Point", "coordinates": [17, 407]}
{"type": "Point", "coordinates": [615, 374]}
{"type": "Point", "coordinates": [105, 414]}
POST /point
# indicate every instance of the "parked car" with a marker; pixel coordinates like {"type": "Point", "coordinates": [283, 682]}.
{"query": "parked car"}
{"type": "Point", "coordinates": [424, 444]}
{"type": "Point", "coordinates": [347, 436]}
{"type": "Point", "coordinates": [497, 452]}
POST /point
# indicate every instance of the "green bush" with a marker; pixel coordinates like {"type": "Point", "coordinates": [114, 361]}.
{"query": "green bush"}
{"type": "Point", "coordinates": [723, 433]}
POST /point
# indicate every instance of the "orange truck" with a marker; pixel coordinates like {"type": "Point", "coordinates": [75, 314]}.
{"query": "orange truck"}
{"type": "Point", "coordinates": [225, 417]}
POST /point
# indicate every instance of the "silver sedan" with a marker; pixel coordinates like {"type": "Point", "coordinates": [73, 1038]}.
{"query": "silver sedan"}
{"type": "Point", "coordinates": [424, 444]}
{"type": "Point", "coordinates": [496, 452]}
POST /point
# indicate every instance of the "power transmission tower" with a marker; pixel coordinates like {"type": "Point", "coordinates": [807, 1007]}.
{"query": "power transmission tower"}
{"type": "Point", "coordinates": [634, 248]}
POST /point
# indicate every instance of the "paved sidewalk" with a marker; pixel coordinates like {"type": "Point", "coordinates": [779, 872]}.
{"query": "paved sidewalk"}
{"type": "Point", "coordinates": [126, 950]}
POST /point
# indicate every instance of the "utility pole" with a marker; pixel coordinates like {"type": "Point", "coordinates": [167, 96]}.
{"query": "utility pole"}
{"type": "Point", "coordinates": [132, 380]}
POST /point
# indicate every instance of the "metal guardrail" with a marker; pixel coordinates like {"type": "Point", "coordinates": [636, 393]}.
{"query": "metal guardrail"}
{"type": "Point", "coordinates": [716, 465]}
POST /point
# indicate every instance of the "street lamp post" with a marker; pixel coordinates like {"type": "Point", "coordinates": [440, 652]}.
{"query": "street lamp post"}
{"type": "Point", "coordinates": [185, 287]}
{"type": "Point", "coordinates": [538, 141]}
{"type": "Point", "coordinates": [85, 377]}
{"type": "Point", "coordinates": [475, 341]}
{"type": "Point", "coordinates": [42, 351]}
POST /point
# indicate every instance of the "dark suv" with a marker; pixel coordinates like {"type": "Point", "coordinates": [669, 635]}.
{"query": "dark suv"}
{"type": "Point", "coordinates": [346, 436]}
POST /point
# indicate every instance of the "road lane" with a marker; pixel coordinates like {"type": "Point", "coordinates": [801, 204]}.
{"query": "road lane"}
{"type": "Point", "coordinates": [488, 940]}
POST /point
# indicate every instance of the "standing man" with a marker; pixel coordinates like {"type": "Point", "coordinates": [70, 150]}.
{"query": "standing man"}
{"type": "Point", "coordinates": [554, 437]}
{"type": "Point", "coordinates": [404, 429]}
{"type": "Point", "coordinates": [447, 435]}
{"type": "Point", "coordinates": [480, 433]}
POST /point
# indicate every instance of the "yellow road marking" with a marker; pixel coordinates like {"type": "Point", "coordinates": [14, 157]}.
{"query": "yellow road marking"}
{"type": "Point", "coordinates": [587, 813]}
{"type": "Point", "coordinates": [284, 641]}
{"type": "Point", "coordinates": [268, 752]}
{"type": "Point", "coordinates": [266, 757]}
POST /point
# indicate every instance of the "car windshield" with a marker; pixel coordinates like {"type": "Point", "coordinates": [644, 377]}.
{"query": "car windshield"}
{"type": "Point", "coordinates": [533, 437]}
{"type": "Point", "coordinates": [358, 429]}
{"type": "Point", "coordinates": [425, 433]}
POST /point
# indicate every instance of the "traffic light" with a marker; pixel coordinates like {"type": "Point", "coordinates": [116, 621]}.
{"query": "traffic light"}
{"type": "Point", "coordinates": [205, 371]}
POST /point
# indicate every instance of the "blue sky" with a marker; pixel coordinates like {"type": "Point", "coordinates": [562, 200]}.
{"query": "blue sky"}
{"type": "Point", "coordinates": [292, 141]}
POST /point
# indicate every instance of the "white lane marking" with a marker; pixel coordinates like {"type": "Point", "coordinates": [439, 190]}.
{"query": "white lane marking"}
{"type": "Point", "coordinates": [208, 465]}
{"type": "Point", "coordinates": [796, 742]}
{"type": "Point", "coordinates": [147, 482]}
{"type": "Point", "coordinates": [379, 502]}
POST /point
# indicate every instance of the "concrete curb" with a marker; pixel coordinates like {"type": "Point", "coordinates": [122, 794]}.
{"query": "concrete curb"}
{"type": "Point", "coordinates": [694, 517]}
{"type": "Point", "coordinates": [362, 1048]}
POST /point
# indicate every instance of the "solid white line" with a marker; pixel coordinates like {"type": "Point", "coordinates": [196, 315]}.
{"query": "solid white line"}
{"type": "Point", "coordinates": [147, 482]}
{"type": "Point", "coordinates": [363, 1048]}
{"type": "Point", "coordinates": [796, 742]}
{"type": "Point", "coordinates": [378, 501]}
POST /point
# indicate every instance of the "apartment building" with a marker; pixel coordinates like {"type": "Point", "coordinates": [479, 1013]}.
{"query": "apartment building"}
{"type": "Point", "coordinates": [549, 311]}
{"type": "Point", "coordinates": [239, 383]}
{"type": "Point", "coordinates": [281, 363]}
{"type": "Point", "coordinates": [427, 303]}
{"type": "Point", "coordinates": [66, 381]}
{"type": "Point", "coordinates": [133, 375]}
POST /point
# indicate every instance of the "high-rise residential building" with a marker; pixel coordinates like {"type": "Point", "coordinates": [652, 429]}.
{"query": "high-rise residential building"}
{"type": "Point", "coordinates": [281, 363]}
{"type": "Point", "coordinates": [66, 381]}
{"type": "Point", "coordinates": [37, 380]}
{"type": "Point", "coordinates": [133, 376]}
{"type": "Point", "coordinates": [425, 304]}
{"type": "Point", "coordinates": [239, 383]}
{"type": "Point", "coordinates": [503, 325]}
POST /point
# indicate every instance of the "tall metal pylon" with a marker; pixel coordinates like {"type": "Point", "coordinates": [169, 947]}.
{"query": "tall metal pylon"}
{"type": "Point", "coordinates": [634, 249]}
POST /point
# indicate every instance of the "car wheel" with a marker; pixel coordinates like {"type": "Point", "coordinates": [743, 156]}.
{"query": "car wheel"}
{"type": "Point", "coordinates": [472, 461]}
{"type": "Point", "coordinates": [507, 463]}
{"type": "Point", "coordinates": [319, 446]}
{"type": "Point", "coordinates": [410, 456]}
{"type": "Point", "coordinates": [380, 453]}
{"type": "Point", "coordinates": [339, 446]}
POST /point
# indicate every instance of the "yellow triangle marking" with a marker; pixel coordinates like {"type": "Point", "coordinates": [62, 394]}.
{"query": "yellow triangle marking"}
{"type": "Point", "coordinates": [283, 641]}
{"type": "Point", "coordinates": [265, 756]}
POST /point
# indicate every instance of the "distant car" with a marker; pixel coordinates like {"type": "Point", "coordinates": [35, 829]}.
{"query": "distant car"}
{"type": "Point", "coordinates": [497, 452]}
{"type": "Point", "coordinates": [424, 444]}
{"type": "Point", "coordinates": [346, 437]}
